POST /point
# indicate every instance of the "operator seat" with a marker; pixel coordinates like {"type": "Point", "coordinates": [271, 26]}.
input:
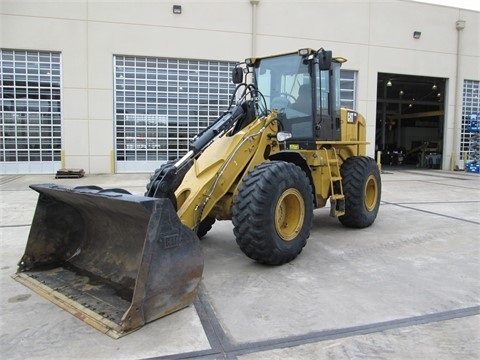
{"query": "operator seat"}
{"type": "Point", "coordinates": [304, 100]}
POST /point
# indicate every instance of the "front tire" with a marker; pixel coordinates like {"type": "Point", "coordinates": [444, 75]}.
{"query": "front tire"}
{"type": "Point", "coordinates": [206, 225]}
{"type": "Point", "coordinates": [152, 184]}
{"type": "Point", "coordinates": [272, 212]}
{"type": "Point", "coordinates": [362, 189]}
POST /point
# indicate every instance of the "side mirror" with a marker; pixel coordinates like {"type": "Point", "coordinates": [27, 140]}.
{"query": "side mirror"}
{"type": "Point", "coordinates": [237, 75]}
{"type": "Point", "coordinates": [325, 59]}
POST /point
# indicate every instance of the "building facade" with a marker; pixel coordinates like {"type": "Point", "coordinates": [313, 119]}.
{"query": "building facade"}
{"type": "Point", "coordinates": [121, 86]}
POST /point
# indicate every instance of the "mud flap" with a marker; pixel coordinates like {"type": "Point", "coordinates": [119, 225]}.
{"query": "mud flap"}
{"type": "Point", "coordinates": [112, 259]}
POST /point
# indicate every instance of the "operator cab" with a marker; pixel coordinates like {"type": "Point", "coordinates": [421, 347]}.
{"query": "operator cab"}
{"type": "Point", "coordinates": [305, 89]}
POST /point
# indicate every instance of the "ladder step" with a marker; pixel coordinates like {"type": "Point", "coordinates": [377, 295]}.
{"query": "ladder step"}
{"type": "Point", "coordinates": [339, 213]}
{"type": "Point", "coordinates": [337, 206]}
{"type": "Point", "coordinates": [337, 198]}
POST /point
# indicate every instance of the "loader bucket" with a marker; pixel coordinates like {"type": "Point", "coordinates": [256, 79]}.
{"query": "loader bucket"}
{"type": "Point", "coordinates": [112, 259]}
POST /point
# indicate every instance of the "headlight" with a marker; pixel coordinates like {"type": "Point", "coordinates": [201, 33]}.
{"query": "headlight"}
{"type": "Point", "coordinates": [283, 136]}
{"type": "Point", "coordinates": [303, 52]}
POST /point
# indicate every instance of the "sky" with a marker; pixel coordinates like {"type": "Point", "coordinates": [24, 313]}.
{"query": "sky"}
{"type": "Point", "coordinates": [464, 4]}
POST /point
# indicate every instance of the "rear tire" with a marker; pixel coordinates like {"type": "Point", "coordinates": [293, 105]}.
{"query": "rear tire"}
{"type": "Point", "coordinates": [362, 189]}
{"type": "Point", "coordinates": [272, 212]}
{"type": "Point", "coordinates": [205, 226]}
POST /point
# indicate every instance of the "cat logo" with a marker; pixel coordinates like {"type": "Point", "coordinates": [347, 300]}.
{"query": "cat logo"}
{"type": "Point", "coordinates": [351, 117]}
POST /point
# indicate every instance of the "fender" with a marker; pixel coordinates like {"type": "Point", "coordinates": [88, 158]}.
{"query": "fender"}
{"type": "Point", "coordinates": [299, 160]}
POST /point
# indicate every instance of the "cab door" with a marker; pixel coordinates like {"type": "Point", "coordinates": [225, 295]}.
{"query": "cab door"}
{"type": "Point", "coordinates": [327, 103]}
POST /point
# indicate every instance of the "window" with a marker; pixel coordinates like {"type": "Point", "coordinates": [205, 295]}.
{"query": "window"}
{"type": "Point", "coordinates": [285, 84]}
{"type": "Point", "coordinates": [160, 104]}
{"type": "Point", "coordinates": [31, 116]}
{"type": "Point", "coordinates": [348, 84]}
{"type": "Point", "coordinates": [471, 105]}
{"type": "Point", "coordinates": [323, 92]}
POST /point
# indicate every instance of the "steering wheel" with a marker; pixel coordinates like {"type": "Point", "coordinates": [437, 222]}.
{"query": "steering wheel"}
{"type": "Point", "coordinates": [281, 102]}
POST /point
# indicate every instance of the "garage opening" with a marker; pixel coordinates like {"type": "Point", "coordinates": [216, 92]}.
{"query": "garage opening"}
{"type": "Point", "coordinates": [30, 112]}
{"type": "Point", "coordinates": [410, 120]}
{"type": "Point", "coordinates": [161, 103]}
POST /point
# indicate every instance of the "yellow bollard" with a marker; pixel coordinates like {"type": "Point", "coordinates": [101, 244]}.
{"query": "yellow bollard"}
{"type": "Point", "coordinates": [379, 163]}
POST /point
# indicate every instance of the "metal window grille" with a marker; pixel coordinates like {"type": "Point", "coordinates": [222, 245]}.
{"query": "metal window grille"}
{"type": "Point", "coordinates": [348, 89]}
{"type": "Point", "coordinates": [470, 105]}
{"type": "Point", "coordinates": [160, 104]}
{"type": "Point", "coordinates": [31, 116]}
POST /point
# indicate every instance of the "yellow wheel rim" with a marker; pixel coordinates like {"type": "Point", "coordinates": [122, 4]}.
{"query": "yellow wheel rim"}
{"type": "Point", "coordinates": [371, 193]}
{"type": "Point", "coordinates": [289, 214]}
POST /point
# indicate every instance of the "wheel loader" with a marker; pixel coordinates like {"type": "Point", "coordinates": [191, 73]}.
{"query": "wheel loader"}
{"type": "Point", "coordinates": [283, 148]}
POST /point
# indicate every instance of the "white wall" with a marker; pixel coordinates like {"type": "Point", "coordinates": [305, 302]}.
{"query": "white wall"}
{"type": "Point", "coordinates": [375, 36]}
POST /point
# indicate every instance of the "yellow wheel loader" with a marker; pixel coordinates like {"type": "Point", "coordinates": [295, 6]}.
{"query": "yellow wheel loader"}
{"type": "Point", "coordinates": [282, 148]}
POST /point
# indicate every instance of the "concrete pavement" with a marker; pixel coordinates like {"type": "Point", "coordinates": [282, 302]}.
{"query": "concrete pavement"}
{"type": "Point", "coordinates": [406, 287]}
